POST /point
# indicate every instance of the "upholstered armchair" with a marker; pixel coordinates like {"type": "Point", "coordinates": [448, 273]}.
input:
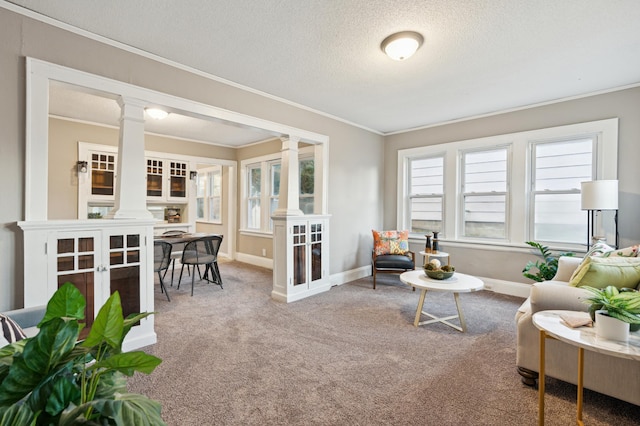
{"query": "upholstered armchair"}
{"type": "Point", "coordinates": [392, 263]}
{"type": "Point", "coordinates": [391, 253]}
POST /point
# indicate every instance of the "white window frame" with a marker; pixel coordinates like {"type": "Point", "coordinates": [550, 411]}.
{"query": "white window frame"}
{"type": "Point", "coordinates": [208, 195]}
{"type": "Point", "coordinates": [441, 196]}
{"type": "Point", "coordinates": [519, 209]}
{"type": "Point", "coordinates": [532, 184]}
{"type": "Point", "coordinates": [463, 193]}
{"type": "Point", "coordinates": [265, 162]}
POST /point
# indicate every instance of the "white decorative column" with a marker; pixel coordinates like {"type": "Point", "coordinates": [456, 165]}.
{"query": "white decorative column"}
{"type": "Point", "coordinates": [131, 183]}
{"type": "Point", "coordinates": [300, 242]}
{"type": "Point", "coordinates": [289, 198]}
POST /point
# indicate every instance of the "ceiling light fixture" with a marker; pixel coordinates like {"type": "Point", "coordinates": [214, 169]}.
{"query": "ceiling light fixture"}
{"type": "Point", "coordinates": [402, 45]}
{"type": "Point", "coordinates": [156, 113]}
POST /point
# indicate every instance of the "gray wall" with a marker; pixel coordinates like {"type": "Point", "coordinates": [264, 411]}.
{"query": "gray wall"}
{"type": "Point", "coordinates": [507, 265]}
{"type": "Point", "coordinates": [355, 155]}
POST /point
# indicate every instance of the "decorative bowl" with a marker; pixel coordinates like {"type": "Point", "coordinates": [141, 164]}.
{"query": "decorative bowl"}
{"type": "Point", "coordinates": [438, 274]}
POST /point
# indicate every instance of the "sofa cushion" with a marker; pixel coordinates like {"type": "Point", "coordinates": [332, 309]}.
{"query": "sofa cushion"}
{"type": "Point", "coordinates": [390, 242]}
{"type": "Point", "coordinates": [599, 272]}
{"type": "Point", "coordinates": [11, 331]}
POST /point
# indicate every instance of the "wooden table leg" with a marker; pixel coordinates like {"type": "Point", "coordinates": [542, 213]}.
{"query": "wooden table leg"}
{"type": "Point", "coordinates": [541, 380]}
{"type": "Point", "coordinates": [416, 322]}
{"type": "Point", "coordinates": [580, 386]}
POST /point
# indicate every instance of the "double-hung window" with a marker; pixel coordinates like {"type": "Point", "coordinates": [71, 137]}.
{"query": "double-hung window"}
{"type": "Point", "coordinates": [209, 195]}
{"type": "Point", "coordinates": [426, 196]}
{"type": "Point", "coordinates": [254, 195]}
{"type": "Point", "coordinates": [274, 184]}
{"type": "Point", "coordinates": [485, 193]}
{"type": "Point", "coordinates": [559, 168]}
{"type": "Point", "coordinates": [307, 181]}
{"type": "Point", "coordinates": [505, 190]}
{"type": "Point", "coordinates": [262, 188]}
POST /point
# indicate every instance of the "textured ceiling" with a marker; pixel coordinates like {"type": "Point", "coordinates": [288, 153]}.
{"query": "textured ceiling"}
{"type": "Point", "coordinates": [478, 56]}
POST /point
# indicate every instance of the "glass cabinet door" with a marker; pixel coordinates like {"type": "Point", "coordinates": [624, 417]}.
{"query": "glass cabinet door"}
{"type": "Point", "coordinates": [124, 267]}
{"type": "Point", "coordinates": [299, 254]}
{"type": "Point", "coordinates": [315, 236]}
{"type": "Point", "coordinates": [154, 177]}
{"type": "Point", "coordinates": [103, 168]}
{"type": "Point", "coordinates": [177, 179]}
{"type": "Point", "coordinates": [77, 258]}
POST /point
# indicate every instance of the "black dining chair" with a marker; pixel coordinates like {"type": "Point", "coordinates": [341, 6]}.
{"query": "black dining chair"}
{"type": "Point", "coordinates": [161, 260]}
{"type": "Point", "coordinates": [177, 254]}
{"type": "Point", "coordinates": [203, 251]}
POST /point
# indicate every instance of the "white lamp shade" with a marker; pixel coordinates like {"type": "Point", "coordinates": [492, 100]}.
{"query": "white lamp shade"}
{"type": "Point", "coordinates": [599, 195]}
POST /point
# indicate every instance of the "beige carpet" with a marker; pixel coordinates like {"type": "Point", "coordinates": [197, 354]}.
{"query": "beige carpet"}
{"type": "Point", "coordinates": [350, 356]}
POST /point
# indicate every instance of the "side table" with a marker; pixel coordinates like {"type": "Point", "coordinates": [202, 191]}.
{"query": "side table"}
{"type": "Point", "coordinates": [552, 326]}
{"type": "Point", "coordinates": [439, 254]}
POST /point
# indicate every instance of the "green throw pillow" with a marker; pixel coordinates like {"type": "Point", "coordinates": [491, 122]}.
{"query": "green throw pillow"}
{"type": "Point", "coordinates": [600, 272]}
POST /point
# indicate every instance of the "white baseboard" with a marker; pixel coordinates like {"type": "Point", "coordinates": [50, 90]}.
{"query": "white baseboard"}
{"type": "Point", "coordinates": [301, 295]}
{"type": "Point", "coordinates": [351, 275]}
{"type": "Point", "coordinates": [506, 287]}
{"type": "Point", "coordinates": [263, 262]}
{"type": "Point", "coordinates": [510, 288]}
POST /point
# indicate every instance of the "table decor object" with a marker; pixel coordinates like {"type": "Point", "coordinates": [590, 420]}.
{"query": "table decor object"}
{"type": "Point", "coordinates": [437, 271]}
{"type": "Point", "coordinates": [620, 304]}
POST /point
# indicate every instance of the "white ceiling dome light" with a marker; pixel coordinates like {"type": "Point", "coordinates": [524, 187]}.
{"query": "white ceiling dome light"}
{"type": "Point", "coordinates": [402, 45]}
{"type": "Point", "coordinates": [156, 113]}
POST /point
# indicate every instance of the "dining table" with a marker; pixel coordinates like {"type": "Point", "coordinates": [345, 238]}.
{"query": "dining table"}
{"type": "Point", "coordinates": [178, 242]}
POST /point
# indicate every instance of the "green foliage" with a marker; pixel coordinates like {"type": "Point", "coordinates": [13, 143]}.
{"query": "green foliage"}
{"type": "Point", "coordinates": [546, 269]}
{"type": "Point", "coordinates": [53, 379]}
{"type": "Point", "coordinates": [621, 304]}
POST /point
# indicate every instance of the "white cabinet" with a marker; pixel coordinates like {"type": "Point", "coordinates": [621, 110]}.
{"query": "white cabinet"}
{"type": "Point", "coordinates": [167, 180]}
{"type": "Point", "coordinates": [116, 255]}
{"type": "Point", "coordinates": [303, 268]}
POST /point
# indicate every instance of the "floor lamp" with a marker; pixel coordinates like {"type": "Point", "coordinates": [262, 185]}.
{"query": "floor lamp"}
{"type": "Point", "coordinates": [596, 196]}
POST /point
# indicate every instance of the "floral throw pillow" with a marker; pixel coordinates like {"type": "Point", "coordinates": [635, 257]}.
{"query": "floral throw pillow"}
{"type": "Point", "coordinates": [624, 252]}
{"type": "Point", "coordinates": [390, 242]}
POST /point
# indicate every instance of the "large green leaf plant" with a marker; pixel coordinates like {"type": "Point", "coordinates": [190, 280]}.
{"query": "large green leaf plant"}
{"type": "Point", "coordinates": [54, 379]}
{"type": "Point", "coordinates": [542, 270]}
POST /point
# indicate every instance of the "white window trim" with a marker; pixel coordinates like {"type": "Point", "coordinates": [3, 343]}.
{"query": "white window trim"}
{"type": "Point", "coordinates": [407, 211]}
{"type": "Point", "coordinates": [215, 168]}
{"type": "Point", "coordinates": [519, 175]}
{"type": "Point", "coordinates": [265, 161]}
{"type": "Point", "coordinates": [596, 154]}
{"type": "Point", "coordinates": [461, 194]}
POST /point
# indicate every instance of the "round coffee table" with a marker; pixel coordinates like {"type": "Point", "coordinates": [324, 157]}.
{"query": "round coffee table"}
{"type": "Point", "coordinates": [459, 283]}
{"type": "Point", "coordinates": [551, 325]}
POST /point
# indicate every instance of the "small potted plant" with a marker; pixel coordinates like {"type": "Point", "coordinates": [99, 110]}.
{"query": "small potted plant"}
{"type": "Point", "coordinates": [623, 304]}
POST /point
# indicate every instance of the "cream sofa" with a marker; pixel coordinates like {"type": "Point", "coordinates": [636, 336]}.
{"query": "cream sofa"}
{"type": "Point", "coordinates": [616, 377]}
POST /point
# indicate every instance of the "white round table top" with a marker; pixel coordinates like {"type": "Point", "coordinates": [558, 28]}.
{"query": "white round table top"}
{"type": "Point", "coordinates": [458, 283]}
{"type": "Point", "coordinates": [585, 337]}
{"type": "Point", "coordinates": [438, 254]}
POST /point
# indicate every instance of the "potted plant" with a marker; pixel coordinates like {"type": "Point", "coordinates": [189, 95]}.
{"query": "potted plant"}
{"type": "Point", "coordinates": [623, 304]}
{"type": "Point", "coordinates": [546, 269]}
{"type": "Point", "coordinates": [54, 379]}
